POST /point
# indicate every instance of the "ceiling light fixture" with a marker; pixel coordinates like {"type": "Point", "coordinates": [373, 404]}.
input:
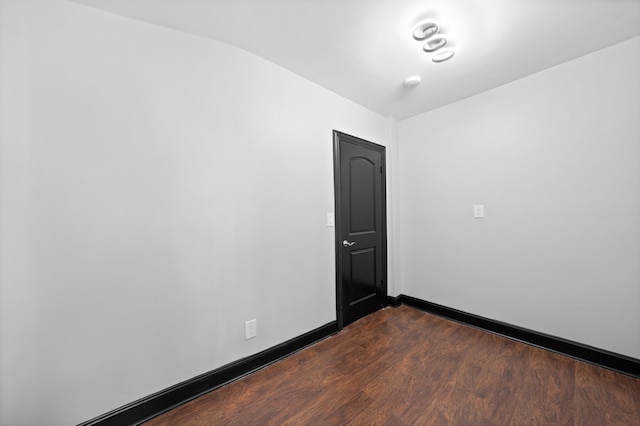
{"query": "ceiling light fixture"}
{"type": "Point", "coordinates": [425, 29]}
{"type": "Point", "coordinates": [443, 56]}
{"type": "Point", "coordinates": [412, 81]}
{"type": "Point", "coordinates": [435, 43]}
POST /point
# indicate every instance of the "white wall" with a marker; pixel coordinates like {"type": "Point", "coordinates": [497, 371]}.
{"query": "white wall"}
{"type": "Point", "coordinates": [555, 159]}
{"type": "Point", "coordinates": [158, 190]}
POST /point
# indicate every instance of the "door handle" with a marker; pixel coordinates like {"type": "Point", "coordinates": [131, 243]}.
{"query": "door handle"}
{"type": "Point", "coordinates": [346, 243]}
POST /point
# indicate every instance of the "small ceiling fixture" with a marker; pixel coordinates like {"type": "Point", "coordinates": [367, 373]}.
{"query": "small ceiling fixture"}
{"type": "Point", "coordinates": [412, 81]}
{"type": "Point", "coordinates": [443, 55]}
{"type": "Point", "coordinates": [427, 31]}
{"type": "Point", "coordinates": [435, 43]}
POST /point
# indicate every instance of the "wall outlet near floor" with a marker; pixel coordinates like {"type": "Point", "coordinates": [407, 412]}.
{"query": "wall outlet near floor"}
{"type": "Point", "coordinates": [478, 211]}
{"type": "Point", "coordinates": [250, 329]}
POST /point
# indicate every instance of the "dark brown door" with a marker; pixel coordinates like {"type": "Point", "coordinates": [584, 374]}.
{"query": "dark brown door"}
{"type": "Point", "coordinates": [360, 227]}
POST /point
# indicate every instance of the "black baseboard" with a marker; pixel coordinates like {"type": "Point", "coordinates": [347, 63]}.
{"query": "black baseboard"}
{"type": "Point", "coordinates": [394, 301]}
{"type": "Point", "coordinates": [151, 406]}
{"type": "Point", "coordinates": [600, 357]}
{"type": "Point", "coordinates": [165, 400]}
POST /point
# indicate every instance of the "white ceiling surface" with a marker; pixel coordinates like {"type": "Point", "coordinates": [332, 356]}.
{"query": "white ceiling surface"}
{"type": "Point", "coordinates": [364, 50]}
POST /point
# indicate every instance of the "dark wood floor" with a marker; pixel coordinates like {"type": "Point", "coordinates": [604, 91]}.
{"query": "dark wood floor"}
{"type": "Point", "coordinates": [406, 367]}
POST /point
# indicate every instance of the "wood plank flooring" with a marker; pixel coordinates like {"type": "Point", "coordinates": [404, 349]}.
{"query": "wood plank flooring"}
{"type": "Point", "coordinates": [401, 366]}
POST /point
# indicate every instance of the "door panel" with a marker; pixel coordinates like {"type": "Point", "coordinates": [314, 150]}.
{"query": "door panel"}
{"type": "Point", "coordinates": [362, 276]}
{"type": "Point", "coordinates": [361, 225]}
{"type": "Point", "coordinates": [362, 199]}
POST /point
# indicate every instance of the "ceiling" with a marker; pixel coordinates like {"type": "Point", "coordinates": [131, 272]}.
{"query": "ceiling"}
{"type": "Point", "coordinates": [364, 50]}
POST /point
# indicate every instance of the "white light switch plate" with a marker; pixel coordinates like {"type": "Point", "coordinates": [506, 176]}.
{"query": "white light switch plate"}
{"type": "Point", "coordinates": [478, 211]}
{"type": "Point", "coordinates": [331, 220]}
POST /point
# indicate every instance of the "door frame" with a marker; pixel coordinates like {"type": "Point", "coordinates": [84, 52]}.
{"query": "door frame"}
{"type": "Point", "coordinates": [337, 137]}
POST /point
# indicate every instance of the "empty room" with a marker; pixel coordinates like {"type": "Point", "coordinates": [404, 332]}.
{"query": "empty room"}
{"type": "Point", "coordinates": [319, 212]}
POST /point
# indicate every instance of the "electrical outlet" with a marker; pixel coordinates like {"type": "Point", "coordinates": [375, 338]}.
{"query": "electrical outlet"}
{"type": "Point", "coordinates": [250, 329]}
{"type": "Point", "coordinates": [478, 211]}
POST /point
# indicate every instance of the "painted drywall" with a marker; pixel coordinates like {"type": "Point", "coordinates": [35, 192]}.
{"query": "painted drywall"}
{"type": "Point", "coordinates": [555, 160]}
{"type": "Point", "coordinates": [158, 190]}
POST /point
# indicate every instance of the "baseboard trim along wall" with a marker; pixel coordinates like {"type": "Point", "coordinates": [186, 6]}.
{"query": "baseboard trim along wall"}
{"type": "Point", "coordinates": [394, 301]}
{"type": "Point", "coordinates": [600, 357]}
{"type": "Point", "coordinates": [151, 406]}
